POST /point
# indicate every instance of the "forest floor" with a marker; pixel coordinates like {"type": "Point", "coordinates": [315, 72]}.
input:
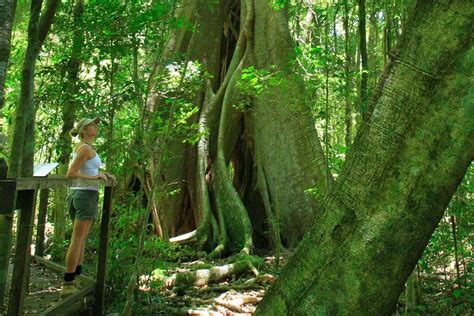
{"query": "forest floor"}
{"type": "Point", "coordinates": [190, 289]}
{"type": "Point", "coordinates": [235, 286]}
{"type": "Point", "coordinates": [231, 286]}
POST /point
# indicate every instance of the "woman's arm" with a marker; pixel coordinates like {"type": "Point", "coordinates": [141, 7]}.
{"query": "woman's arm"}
{"type": "Point", "coordinates": [74, 170]}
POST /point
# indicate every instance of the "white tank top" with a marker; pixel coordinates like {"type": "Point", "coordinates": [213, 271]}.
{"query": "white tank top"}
{"type": "Point", "coordinates": [90, 168]}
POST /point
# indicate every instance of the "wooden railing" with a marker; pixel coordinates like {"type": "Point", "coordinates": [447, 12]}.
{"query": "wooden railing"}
{"type": "Point", "coordinates": [20, 194]}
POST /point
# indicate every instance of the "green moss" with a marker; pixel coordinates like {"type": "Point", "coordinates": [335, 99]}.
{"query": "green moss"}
{"type": "Point", "coordinates": [201, 266]}
{"type": "Point", "coordinates": [185, 279]}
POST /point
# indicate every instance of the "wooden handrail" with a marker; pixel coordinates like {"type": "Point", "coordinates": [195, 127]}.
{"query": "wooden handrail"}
{"type": "Point", "coordinates": [56, 183]}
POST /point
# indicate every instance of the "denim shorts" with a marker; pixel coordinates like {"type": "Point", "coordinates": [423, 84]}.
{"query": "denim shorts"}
{"type": "Point", "coordinates": [82, 204]}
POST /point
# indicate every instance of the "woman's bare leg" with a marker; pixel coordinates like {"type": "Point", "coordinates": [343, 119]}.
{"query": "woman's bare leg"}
{"type": "Point", "coordinates": [83, 247]}
{"type": "Point", "coordinates": [79, 234]}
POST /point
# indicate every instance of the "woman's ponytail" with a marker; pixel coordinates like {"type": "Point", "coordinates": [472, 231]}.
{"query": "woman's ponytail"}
{"type": "Point", "coordinates": [74, 132]}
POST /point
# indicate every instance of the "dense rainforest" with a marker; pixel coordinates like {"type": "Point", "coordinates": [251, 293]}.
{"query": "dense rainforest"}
{"type": "Point", "coordinates": [276, 157]}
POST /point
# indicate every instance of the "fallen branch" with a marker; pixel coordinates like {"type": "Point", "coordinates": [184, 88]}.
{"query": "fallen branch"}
{"type": "Point", "coordinates": [434, 277]}
{"type": "Point", "coordinates": [184, 238]}
{"type": "Point", "coordinates": [217, 274]}
{"type": "Point", "coordinates": [224, 288]}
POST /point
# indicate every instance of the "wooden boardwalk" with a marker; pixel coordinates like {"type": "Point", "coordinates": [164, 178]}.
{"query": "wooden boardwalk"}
{"type": "Point", "coordinates": [20, 194]}
{"type": "Point", "coordinates": [44, 293]}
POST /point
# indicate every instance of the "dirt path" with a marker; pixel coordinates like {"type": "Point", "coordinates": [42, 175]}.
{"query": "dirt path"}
{"type": "Point", "coordinates": [44, 289]}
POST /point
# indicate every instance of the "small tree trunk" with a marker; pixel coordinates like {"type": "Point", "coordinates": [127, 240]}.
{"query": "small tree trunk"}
{"type": "Point", "coordinates": [456, 257]}
{"type": "Point", "coordinates": [42, 214]}
{"type": "Point", "coordinates": [410, 294]}
{"type": "Point", "coordinates": [27, 89]}
{"type": "Point", "coordinates": [22, 148]}
{"type": "Point", "coordinates": [363, 58]}
{"type": "Point", "coordinates": [28, 147]}
{"type": "Point", "coordinates": [69, 109]}
{"type": "Point", "coordinates": [372, 51]}
{"type": "Point", "coordinates": [19, 133]}
{"type": "Point", "coordinates": [387, 32]}
{"type": "Point", "coordinates": [327, 118]}
{"type": "Point", "coordinates": [7, 14]}
{"type": "Point", "coordinates": [348, 78]}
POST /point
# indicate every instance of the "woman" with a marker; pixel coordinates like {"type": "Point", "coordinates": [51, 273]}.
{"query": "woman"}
{"type": "Point", "coordinates": [82, 202]}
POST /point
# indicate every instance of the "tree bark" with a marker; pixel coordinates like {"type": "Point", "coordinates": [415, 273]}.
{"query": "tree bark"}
{"type": "Point", "coordinates": [7, 14]}
{"type": "Point", "coordinates": [405, 164]}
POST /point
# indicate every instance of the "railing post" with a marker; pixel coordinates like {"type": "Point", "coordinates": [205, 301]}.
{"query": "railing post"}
{"type": "Point", "coordinates": [43, 208]}
{"type": "Point", "coordinates": [3, 169]}
{"type": "Point", "coordinates": [102, 260]}
{"type": "Point", "coordinates": [22, 252]}
{"type": "Point", "coordinates": [7, 202]}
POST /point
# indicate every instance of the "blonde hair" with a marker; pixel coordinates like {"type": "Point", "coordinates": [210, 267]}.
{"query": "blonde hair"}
{"type": "Point", "coordinates": [74, 132]}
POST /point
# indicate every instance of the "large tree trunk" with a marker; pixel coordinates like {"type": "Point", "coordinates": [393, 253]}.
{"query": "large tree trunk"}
{"type": "Point", "coordinates": [176, 211]}
{"type": "Point", "coordinates": [272, 145]}
{"type": "Point", "coordinates": [286, 150]}
{"type": "Point", "coordinates": [400, 174]}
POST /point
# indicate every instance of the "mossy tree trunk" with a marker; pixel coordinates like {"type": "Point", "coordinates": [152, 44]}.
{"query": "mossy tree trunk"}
{"type": "Point", "coordinates": [26, 101]}
{"type": "Point", "coordinates": [22, 148]}
{"type": "Point", "coordinates": [7, 13]}
{"type": "Point", "coordinates": [270, 146]}
{"type": "Point", "coordinates": [405, 164]}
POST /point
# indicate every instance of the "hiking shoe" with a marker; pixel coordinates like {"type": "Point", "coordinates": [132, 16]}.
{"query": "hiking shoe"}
{"type": "Point", "coordinates": [68, 288]}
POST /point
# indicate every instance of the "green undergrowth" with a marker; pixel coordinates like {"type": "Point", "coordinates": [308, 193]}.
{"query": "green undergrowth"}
{"type": "Point", "coordinates": [158, 261]}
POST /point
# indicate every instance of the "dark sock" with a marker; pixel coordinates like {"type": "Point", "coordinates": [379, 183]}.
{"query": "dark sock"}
{"type": "Point", "coordinates": [68, 277]}
{"type": "Point", "coordinates": [78, 270]}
